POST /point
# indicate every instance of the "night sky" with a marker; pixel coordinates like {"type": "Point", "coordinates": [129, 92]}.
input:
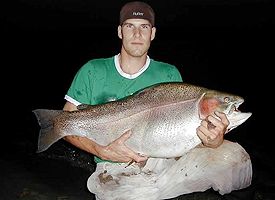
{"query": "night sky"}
{"type": "Point", "coordinates": [225, 45]}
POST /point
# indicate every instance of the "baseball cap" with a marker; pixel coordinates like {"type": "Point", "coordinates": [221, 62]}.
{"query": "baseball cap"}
{"type": "Point", "coordinates": [137, 10]}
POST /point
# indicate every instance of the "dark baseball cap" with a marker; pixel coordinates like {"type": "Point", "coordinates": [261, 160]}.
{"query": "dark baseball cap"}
{"type": "Point", "coordinates": [137, 10]}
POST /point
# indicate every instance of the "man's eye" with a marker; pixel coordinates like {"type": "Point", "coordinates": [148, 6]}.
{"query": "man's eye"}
{"type": "Point", "coordinates": [127, 25]}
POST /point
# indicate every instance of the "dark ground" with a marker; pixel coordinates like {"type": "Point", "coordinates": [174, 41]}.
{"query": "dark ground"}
{"type": "Point", "coordinates": [226, 45]}
{"type": "Point", "coordinates": [62, 172]}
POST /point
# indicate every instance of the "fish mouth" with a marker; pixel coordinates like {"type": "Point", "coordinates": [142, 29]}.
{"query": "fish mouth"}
{"type": "Point", "coordinates": [236, 118]}
{"type": "Point", "coordinates": [234, 107]}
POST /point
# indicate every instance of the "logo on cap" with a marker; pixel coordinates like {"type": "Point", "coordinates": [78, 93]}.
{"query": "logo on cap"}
{"type": "Point", "coordinates": [138, 13]}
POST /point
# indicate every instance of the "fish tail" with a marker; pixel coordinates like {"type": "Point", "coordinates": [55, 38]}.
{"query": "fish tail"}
{"type": "Point", "coordinates": [46, 134]}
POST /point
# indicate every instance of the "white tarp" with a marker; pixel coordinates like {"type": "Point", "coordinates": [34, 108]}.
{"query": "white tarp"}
{"type": "Point", "coordinates": [224, 169]}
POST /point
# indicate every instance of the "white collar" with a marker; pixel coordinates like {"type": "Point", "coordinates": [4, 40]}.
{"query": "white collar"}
{"type": "Point", "coordinates": [131, 76]}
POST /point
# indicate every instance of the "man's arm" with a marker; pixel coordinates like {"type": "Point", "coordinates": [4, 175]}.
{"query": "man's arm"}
{"type": "Point", "coordinates": [116, 151]}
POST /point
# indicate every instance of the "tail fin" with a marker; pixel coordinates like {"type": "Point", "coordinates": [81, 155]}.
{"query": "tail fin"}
{"type": "Point", "coordinates": [46, 134]}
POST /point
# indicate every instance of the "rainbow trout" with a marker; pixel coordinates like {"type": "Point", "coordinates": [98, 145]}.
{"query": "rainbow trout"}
{"type": "Point", "coordinates": [163, 119]}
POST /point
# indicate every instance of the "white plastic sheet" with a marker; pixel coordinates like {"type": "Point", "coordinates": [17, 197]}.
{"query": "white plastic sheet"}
{"type": "Point", "coordinates": [224, 169]}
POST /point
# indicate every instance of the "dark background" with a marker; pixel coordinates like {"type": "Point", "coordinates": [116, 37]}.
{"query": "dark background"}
{"type": "Point", "coordinates": [220, 44]}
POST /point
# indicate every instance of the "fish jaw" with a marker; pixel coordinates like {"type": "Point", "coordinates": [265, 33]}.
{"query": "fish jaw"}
{"type": "Point", "coordinates": [234, 115]}
{"type": "Point", "coordinates": [236, 118]}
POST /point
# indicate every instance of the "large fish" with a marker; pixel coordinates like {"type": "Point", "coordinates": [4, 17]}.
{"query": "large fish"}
{"type": "Point", "coordinates": [163, 119]}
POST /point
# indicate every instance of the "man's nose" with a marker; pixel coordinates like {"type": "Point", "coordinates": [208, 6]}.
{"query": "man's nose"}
{"type": "Point", "coordinates": [137, 32]}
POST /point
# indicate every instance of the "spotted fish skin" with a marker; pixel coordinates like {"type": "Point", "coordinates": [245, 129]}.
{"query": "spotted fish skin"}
{"type": "Point", "coordinates": [163, 119]}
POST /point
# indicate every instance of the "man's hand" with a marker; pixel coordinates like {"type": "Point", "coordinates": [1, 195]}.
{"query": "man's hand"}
{"type": "Point", "coordinates": [212, 130]}
{"type": "Point", "coordinates": [117, 151]}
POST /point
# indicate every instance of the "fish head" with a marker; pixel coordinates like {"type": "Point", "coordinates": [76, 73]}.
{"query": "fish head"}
{"type": "Point", "coordinates": [227, 103]}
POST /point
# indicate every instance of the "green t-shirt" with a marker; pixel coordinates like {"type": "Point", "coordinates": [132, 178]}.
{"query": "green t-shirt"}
{"type": "Point", "coordinates": [101, 80]}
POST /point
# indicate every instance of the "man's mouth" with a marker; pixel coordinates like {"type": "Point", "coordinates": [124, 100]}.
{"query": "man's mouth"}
{"type": "Point", "coordinates": [137, 43]}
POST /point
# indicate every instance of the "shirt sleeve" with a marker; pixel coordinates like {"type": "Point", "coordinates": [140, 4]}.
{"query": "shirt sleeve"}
{"type": "Point", "coordinates": [174, 75]}
{"type": "Point", "coordinates": [80, 90]}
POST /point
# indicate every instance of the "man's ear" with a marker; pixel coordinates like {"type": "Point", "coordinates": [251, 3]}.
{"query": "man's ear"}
{"type": "Point", "coordinates": [153, 34]}
{"type": "Point", "coordinates": [119, 31]}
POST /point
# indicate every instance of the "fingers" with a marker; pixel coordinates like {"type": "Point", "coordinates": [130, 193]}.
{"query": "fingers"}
{"type": "Point", "coordinates": [212, 129]}
{"type": "Point", "coordinates": [223, 118]}
{"type": "Point", "coordinates": [218, 123]}
{"type": "Point", "coordinates": [125, 136]}
{"type": "Point", "coordinates": [119, 152]}
{"type": "Point", "coordinates": [204, 134]}
{"type": "Point", "coordinates": [131, 154]}
{"type": "Point", "coordinates": [207, 140]}
{"type": "Point", "coordinates": [138, 158]}
{"type": "Point", "coordinates": [201, 134]}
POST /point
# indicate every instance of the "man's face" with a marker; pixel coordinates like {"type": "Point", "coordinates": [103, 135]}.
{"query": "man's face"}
{"type": "Point", "coordinates": [136, 35]}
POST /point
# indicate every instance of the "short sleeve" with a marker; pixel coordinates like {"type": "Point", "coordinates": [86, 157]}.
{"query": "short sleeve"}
{"type": "Point", "coordinates": [80, 89]}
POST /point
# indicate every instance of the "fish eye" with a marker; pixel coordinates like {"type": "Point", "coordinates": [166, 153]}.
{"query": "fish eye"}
{"type": "Point", "coordinates": [226, 99]}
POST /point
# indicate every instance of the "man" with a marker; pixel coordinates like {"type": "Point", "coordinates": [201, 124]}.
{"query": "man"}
{"type": "Point", "coordinates": [109, 79]}
{"type": "Point", "coordinates": [102, 80]}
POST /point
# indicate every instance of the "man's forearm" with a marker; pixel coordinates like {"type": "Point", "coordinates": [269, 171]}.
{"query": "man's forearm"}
{"type": "Point", "coordinates": [85, 144]}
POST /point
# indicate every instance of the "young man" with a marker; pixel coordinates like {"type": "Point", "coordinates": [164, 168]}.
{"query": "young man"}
{"type": "Point", "coordinates": [109, 79]}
